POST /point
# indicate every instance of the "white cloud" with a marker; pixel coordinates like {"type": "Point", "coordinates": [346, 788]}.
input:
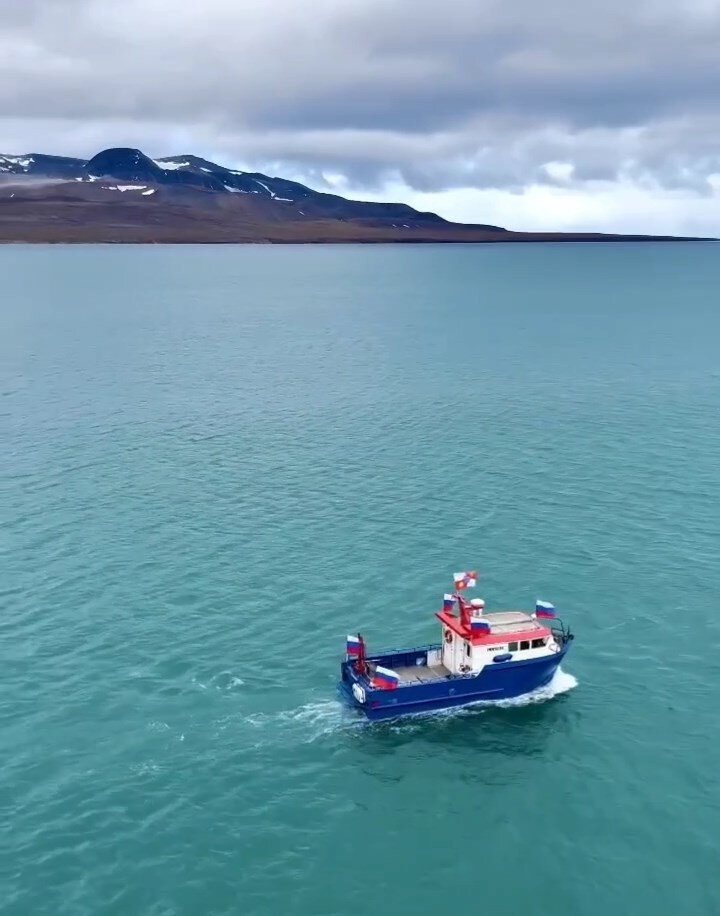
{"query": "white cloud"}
{"type": "Point", "coordinates": [598, 207]}
{"type": "Point", "coordinates": [559, 171]}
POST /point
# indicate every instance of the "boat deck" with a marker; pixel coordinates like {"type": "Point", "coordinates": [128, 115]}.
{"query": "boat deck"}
{"type": "Point", "coordinates": [421, 674]}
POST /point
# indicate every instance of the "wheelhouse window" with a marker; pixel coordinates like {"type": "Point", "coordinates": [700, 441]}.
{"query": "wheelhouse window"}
{"type": "Point", "coordinates": [525, 644]}
{"type": "Point", "coordinates": [538, 643]}
{"type": "Point", "coordinates": [512, 647]}
{"type": "Point", "coordinates": [467, 649]}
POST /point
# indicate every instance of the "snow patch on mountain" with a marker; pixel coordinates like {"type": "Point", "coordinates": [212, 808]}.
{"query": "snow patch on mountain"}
{"type": "Point", "coordinates": [170, 165]}
{"type": "Point", "coordinates": [22, 161]}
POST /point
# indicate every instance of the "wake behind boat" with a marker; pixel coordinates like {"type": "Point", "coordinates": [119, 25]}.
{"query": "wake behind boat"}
{"type": "Point", "coordinates": [482, 656]}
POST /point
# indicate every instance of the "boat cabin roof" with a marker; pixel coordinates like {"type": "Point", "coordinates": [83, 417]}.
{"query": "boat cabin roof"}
{"type": "Point", "coordinates": [504, 627]}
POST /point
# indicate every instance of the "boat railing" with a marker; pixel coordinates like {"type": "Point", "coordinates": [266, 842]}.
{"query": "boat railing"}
{"type": "Point", "coordinates": [561, 632]}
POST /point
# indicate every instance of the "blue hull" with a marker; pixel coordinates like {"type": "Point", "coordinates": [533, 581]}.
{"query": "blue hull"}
{"type": "Point", "coordinates": [501, 681]}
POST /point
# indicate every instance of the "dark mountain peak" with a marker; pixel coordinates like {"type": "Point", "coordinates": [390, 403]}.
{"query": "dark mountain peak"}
{"type": "Point", "coordinates": [124, 163]}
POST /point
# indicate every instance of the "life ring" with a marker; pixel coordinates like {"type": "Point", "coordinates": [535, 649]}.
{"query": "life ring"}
{"type": "Point", "coordinates": [448, 636]}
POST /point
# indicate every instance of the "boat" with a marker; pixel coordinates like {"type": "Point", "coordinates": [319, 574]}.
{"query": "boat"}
{"type": "Point", "coordinates": [480, 657]}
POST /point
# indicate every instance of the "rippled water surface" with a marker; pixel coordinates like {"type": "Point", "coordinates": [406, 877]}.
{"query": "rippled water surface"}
{"type": "Point", "coordinates": [218, 461]}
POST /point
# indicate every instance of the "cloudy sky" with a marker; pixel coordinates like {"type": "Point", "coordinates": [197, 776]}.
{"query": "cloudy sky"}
{"type": "Point", "coordinates": [564, 114]}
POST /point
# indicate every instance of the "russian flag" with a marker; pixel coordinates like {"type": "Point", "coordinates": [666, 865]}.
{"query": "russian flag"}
{"type": "Point", "coordinates": [353, 645]}
{"type": "Point", "coordinates": [479, 625]}
{"type": "Point", "coordinates": [544, 609]}
{"type": "Point", "coordinates": [465, 579]}
{"type": "Point", "coordinates": [385, 678]}
{"type": "Point", "coordinates": [448, 602]}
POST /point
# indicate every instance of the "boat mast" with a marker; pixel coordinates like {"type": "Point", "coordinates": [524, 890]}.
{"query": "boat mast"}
{"type": "Point", "coordinates": [464, 610]}
{"type": "Point", "coordinates": [361, 665]}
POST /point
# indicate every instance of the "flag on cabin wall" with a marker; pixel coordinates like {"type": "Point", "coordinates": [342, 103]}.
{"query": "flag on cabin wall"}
{"type": "Point", "coordinates": [479, 625]}
{"type": "Point", "coordinates": [385, 678]}
{"type": "Point", "coordinates": [448, 602]}
{"type": "Point", "coordinates": [465, 579]}
{"type": "Point", "coordinates": [544, 609]}
{"type": "Point", "coordinates": [353, 645]}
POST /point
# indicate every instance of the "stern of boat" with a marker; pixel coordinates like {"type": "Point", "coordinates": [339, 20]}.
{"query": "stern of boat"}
{"type": "Point", "coordinates": [350, 687]}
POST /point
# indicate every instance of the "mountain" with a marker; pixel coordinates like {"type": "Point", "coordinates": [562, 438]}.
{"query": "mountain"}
{"type": "Point", "coordinates": [122, 195]}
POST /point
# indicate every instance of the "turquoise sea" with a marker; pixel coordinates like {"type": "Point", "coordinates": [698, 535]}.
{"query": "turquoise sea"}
{"type": "Point", "coordinates": [218, 461]}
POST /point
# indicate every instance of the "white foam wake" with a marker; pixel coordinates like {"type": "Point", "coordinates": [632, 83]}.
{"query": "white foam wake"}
{"type": "Point", "coordinates": [311, 720]}
{"type": "Point", "coordinates": [562, 682]}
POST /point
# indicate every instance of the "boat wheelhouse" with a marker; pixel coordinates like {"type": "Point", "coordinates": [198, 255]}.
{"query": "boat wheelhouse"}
{"type": "Point", "coordinates": [481, 656]}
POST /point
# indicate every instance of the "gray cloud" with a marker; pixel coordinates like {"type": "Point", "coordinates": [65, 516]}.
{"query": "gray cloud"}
{"type": "Point", "coordinates": [437, 95]}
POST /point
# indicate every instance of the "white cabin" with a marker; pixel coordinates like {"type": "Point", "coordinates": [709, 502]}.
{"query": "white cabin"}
{"type": "Point", "coordinates": [513, 633]}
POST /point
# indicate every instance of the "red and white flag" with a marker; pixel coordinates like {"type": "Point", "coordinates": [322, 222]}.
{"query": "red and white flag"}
{"type": "Point", "coordinates": [465, 580]}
